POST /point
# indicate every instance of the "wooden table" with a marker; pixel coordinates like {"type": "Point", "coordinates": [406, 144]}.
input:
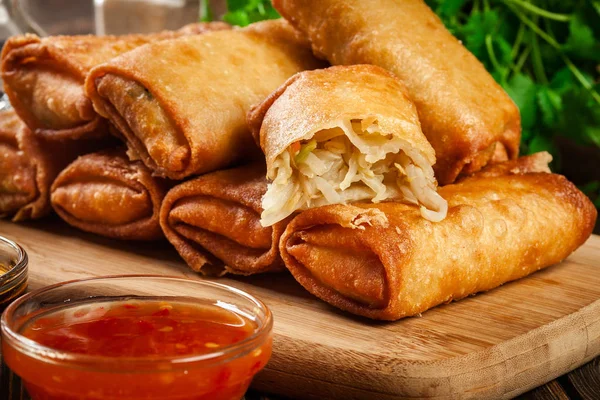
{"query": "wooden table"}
{"type": "Point", "coordinates": [580, 384]}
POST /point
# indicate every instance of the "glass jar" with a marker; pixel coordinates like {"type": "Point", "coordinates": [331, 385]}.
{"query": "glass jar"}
{"type": "Point", "coordinates": [13, 271]}
{"type": "Point", "coordinates": [13, 283]}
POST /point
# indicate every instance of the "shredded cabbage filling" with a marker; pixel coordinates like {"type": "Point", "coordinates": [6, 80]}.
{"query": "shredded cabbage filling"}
{"type": "Point", "coordinates": [352, 162]}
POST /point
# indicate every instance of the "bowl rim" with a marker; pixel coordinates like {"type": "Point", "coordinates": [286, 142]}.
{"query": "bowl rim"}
{"type": "Point", "coordinates": [19, 268]}
{"type": "Point", "coordinates": [135, 364]}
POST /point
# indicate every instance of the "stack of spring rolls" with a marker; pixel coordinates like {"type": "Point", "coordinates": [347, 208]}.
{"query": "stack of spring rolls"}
{"type": "Point", "coordinates": [103, 126]}
{"type": "Point", "coordinates": [53, 123]}
{"type": "Point", "coordinates": [386, 184]}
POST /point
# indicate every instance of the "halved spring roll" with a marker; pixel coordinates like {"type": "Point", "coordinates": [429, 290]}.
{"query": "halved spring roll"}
{"type": "Point", "coordinates": [213, 222]}
{"type": "Point", "coordinates": [29, 164]}
{"type": "Point", "coordinates": [106, 194]}
{"type": "Point", "coordinates": [384, 261]}
{"type": "Point", "coordinates": [343, 134]}
{"type": "Point", "coordinates": [465, 114]}
{"type": "Point", "coordinates": [44, 77]}
{"type": "Point", "coordinates": [181, 104]}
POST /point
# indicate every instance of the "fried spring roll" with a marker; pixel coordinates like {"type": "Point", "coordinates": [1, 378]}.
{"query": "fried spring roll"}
{"type": "Point", "coordinates": [384, 261]}
{"type": "Point", "coordinates": [213, 222]}
{"type": "Point", "coordinates": [465, 114]}
{"type": "Point", "coordinates": [181, 104]}
{"type": "Point", "coordinates": [29, 164]}
{"type": "Point", "coordinates": [44, 77]}
{"type": "Point", "coordinates": [343, 134]}
{"type": "Point", "coordinates": [538, 162]}
{"type": "Point", "coordinates": [106, 194]}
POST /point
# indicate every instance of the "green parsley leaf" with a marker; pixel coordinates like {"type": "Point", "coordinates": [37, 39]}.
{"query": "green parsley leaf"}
{"type": "Point", "coordinates": [449, 8]}
{"type": "Point", "coordinates": [523, 91]}
{"type": "Point", "coordinates": [474, 32]}
{"type": "Point", "coordinates": [245, 12]}
{"type": "Point", "coordinates": [580, 119]}
{"type": "Point", "coordinates": [562, 81]}
{"type": "Point", "coordinates": [550, 104]}
{"type": "Point", "coordinates": [581, 42]}
{"type": "Point", "coordinates": [236, 5]}
{"type": "Point", "coordinates": [237, 17]}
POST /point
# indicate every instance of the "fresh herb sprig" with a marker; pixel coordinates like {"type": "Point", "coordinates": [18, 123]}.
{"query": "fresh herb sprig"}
{"type": "Point", "coordinates": [545, 54]}
{"type": "Point", "coordinates": [245, 12]}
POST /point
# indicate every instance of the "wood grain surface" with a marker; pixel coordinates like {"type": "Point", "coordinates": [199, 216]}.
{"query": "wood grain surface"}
{"type": "Point", "coordinates": [497, 344]}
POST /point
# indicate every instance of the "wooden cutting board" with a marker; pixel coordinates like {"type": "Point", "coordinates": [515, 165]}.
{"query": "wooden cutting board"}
{"type": "Point", "coordinates": [494, 345]}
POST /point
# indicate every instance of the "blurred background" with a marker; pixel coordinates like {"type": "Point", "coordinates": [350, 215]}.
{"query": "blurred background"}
{"type": "Point", "coordinates": [544, 53]}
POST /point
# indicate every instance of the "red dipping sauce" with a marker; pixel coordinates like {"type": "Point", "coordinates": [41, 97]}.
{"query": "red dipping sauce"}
{"type": "Point", "coordinates": [134, 349]}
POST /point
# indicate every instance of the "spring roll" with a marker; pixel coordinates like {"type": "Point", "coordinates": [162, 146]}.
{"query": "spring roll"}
{"type": "Point", "coordinates": [465, 114]}
{"type": "Point", "coordinates": [383, 261]}
{"type": "Point", "coordinates": [538, 162]}
{"type": "Point", "coordinates": [181, 104]}
{"type": "Point", "coordinates": [343, 134]}
{"type": "Point", "coordinates": [213, 222]}
{"type": "Point", "coordinates": [29, 164]}
{"type": "Point", "coordinates": [43, 77]}
{"type": "Point", "coordinates": [106, 194]}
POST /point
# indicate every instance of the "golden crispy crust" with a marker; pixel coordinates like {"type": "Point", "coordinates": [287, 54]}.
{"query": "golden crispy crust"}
{"type": "Point", "coordinates": [106, 194]}
{"type": "Point", "coordinates": [19, 193]}
{"type": "Point", "coordinates": [538, 162]}
{"type": "Point", "coordinates": [316, 100]}
{"type": "Point", "coordinates": [29, 164]}
{"type": "Point", "coordinates": [204, 114]}
{"type": "Point", "coordinates": [463, 111]}
{"type": "Point", "coordinates": [214, 223]}
{"type": "Point", "coordinates": [44, 77]}
{"type": "Point", "coordinates": [499, 228]}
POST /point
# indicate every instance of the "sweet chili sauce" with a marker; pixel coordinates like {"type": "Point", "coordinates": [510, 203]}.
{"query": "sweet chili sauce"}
{"type": "Point", "coordinates": [140, 349]}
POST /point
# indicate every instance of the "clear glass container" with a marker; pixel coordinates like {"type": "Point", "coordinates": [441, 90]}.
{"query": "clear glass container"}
{"type": "Point", "coordinates": [222, 373]}
{"type": "Point", "coordinates": [13, 271]}
{"type": "Point", "coordinates": [13, 283]}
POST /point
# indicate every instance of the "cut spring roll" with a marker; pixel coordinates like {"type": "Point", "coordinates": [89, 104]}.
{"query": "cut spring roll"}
{"type": "Point", "coordinates": [213, 222]}
{"type": "Point", "coordinates": [384, 261]}
{"type": "Point", "coordinates": [106, 194]}
{"type": "Point", "coordinates": [44, 77]}
{"type": "Point", "coordinates": [343, 134]}
{"type": "Point", "coordinates": [29, 164]}
{"type": "Point", "coordinates": [464, 113]}
{"type": "Point", "coordinates": [181, 104]}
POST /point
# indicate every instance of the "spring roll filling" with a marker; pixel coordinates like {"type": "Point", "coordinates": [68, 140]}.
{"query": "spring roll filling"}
{"type": "Point", "coordinates": [145, 123]}
{"type": "Point", "coordinates": [350, 162]}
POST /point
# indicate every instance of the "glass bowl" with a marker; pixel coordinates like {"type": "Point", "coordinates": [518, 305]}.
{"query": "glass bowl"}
{"type": "Point", "coordinates": [13, 271]}
{"type": "Point", "coordinates": [217, 373]}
